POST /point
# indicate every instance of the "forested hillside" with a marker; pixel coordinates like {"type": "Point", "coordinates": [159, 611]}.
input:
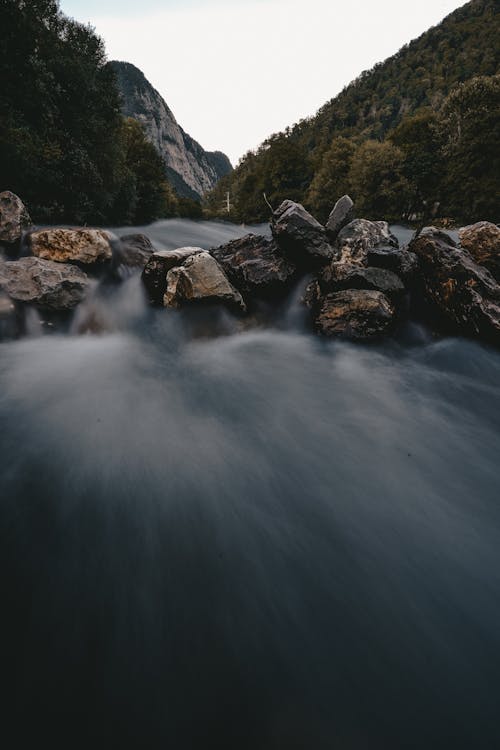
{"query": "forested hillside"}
{"type": "Point", "coordinates": [64, 145]}
{"type": "Point", "coordinates": [414, 135]}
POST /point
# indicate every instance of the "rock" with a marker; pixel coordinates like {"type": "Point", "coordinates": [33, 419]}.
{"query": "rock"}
{"type": "Point", "coordinates": [50, 285]}
{"type": "Point", "coordinates": [87, 246]}
{"type": "Point", "coordinates": [357, 238]}
{"type": "Point", "coordinates": [10, 321]}
{"type": "Point", "coordinates": [159, 264]}
{"type": "Point", "coordinates": [255, 265]}
{"type": "Point", "coordinates": [482, 241]}
{"type": "Point", "coordinates": [135, 250]}
{"type": "Point", "coordinates": [200, 279]}
{"type": "Point", "coordinates": [342, 214]}
{"type": "Point", "coordinates": [355, 314]}
{"type": "Point", "coordinates": [312, 295]}
{"type": "Point", "coordinates": [435, 232]}
{"type": "Point", "coordinates": [378, 279]}
{"type": "Point", "coordinates": [465, 294]}
{"type": "Point", "coordinates": [400, 261]}
{"type": "Point", "coordinates": [299, 236]}
{"type": "Point", "coordinates": [14, 218]}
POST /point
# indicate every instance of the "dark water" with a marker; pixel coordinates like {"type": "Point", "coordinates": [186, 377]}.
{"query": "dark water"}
{"type": "Point", "coordinates": [254, 541]}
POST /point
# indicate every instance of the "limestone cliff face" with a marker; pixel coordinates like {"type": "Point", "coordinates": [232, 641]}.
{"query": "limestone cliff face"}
{"type": "Point", "coordinates": [191, 170]}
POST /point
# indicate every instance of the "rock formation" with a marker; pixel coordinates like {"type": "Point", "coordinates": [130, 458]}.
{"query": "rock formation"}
{"type": "Point", "coordinates": [86, 246]}
{"type": "Point", "coordinates": [255, 265]}
{"type": "Point", "coordinates": [191, 170]}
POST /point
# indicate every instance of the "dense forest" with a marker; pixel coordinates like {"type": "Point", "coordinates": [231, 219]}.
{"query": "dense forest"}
{"type": "Point", "coordinates": [416, 136]}
{"type": "Point", "coordinates": [64, 145]}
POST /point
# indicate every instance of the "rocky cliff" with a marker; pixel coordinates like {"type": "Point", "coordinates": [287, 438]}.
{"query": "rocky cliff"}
{"type": "Point", "coordinates": [191, 170]}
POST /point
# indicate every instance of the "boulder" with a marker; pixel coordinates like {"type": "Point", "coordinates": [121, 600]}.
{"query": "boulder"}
{"type": "Point", "coordinates": [312, 295]}
{"type": "Point", "coordinates": [14, 218]}
{"type": "Point", "coordinates": [482, 241]}
{"type": "Point", "coordinates": [357, 238]}
{"type": "Point", "coordinates": [86, 246]}
{"type": "Point", "coordinates": [134, 250]}
{"type": "Point", "coordinates": [159, 264]}
{"type": "Point", "coordinates": [395, 259]}
{"type": "Point", "coordinates": [50, 285]}
{"type": "Point", "coordinates": [200, 279]}
{"type": "Point", "coordinates": [299, 236]}
{"type": "Point", "coordinates": [255, 265]}
{"type": "Point", "coordinates": [357, 314]}
{"type": "Point", "coordinates": [356, 277]}
{"type": "Point", "coordinates": [341, 215]}
{"type": "Point", "coordinates": [435, 232]}
{"type": "Point", "coordinates": [464, 293]}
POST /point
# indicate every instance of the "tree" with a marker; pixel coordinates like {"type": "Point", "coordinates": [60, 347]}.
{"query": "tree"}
{"type": "Point", "coordinates": [331, 179]}
{"type": "Point", "coordinates": [417, 136]}
{"type": "Point", "coordinates": [470, 129]}
{"type": "Point", "coordinates": [377, 180]}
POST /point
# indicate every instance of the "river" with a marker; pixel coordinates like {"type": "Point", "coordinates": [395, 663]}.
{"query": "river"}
{"type": "Point", "coordinates": [258, 540]}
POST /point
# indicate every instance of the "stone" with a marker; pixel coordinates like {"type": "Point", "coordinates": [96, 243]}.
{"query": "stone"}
{"type": "Point", "coordinates": [134, 250]}
{"type": "Point", "coordinates": [357, 314]}
{"type": "Point", "coordinates": [312, 295]}
{"type": "Point", "coordinates": [200, 279]}
{"type": "Point", "coordinates": [159, 264]}
{"type": "Point", "coordinates": [14, 218]}
{"type": "Point", "coordinates": [86, 246]}
{"type": "Point", "coordinates": [44, 283]}
{"type": "Point", "coordinates": [398, 260]}
{"type": "Point", "coordinates": [465, 294]}
{"type": "Point", "coordinates": [341, 215]}
{"type": "Point", "coordinates": [378, 279]}
{"type": "Point", "coordinates": [357, 238]}
{"type": "Point", "coordinates": [255, 265]}
{"type": "Point", "coordinates": [482, 241]}
{"type": "Point", "coordinates": [435, 232]}
{"type": "Point", "coordinates": [299, 236]}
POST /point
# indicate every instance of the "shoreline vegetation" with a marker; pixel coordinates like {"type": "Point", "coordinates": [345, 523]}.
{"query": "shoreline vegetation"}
{"type": "Point", "coordinates": [414, 139]}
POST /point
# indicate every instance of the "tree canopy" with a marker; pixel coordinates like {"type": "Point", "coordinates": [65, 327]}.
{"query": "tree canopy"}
{"type": "Point", "coordinates": [399, 118]}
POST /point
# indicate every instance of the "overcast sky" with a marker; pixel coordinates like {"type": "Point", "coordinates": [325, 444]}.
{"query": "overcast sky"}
{"type": "Point", "coordinates": [233, 72]}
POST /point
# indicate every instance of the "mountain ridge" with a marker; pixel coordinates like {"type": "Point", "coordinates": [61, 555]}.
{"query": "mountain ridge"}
{"type": "Point", "coordinates": [191, 170]}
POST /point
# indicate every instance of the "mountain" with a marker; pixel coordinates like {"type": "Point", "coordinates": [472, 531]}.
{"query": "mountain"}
{"type": "Point", "coordinates": [315, 155]}
{"type": "Point", "coordinates": [191, 170]}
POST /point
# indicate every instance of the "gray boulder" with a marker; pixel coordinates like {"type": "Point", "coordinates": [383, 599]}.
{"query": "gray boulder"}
{"type": "Point", "coordinates": [159, 264]}
{"type": "Point", "coordinates": [134, 250]}
{"type": "Point", "coordinates": [377, 279]}
{"type": "Point", "coordinates": [14, 218]}
{"type": "Point", "coordinates": [395, 259]}
{"type": "Point", "coordinates": [44, 283]}
{"type": "Point", "coordinates": [357, 238]}
{"type": "Point", "coordinates": [431, 231]}
{"type": "Point", "coordinates": [299, 236]}
{"type": "Point", "coordinates": [341, 215]}
{"type": "Point", "coordinates": [356, 314]}
{"type": "Point", "coordinates": [255, 265]}
{"type": "Point", "coordinates": [200, 279]}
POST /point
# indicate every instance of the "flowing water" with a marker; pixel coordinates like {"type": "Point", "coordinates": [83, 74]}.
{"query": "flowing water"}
{"type": "Point", "coordinates": [257, 540]}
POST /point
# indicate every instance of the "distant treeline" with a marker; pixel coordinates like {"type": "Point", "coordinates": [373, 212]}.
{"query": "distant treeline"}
{"type": "Point", "coordinates": [64, 146]}
{"type": "Point", "coordinates": [418, 134]}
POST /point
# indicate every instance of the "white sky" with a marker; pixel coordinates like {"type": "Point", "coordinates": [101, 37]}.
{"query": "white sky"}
{"type": "Point", "coordinates": [233, 73]}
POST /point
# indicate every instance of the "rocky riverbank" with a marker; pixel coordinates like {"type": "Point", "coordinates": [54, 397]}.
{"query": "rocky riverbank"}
{"type": "Point", "coordinates": [360, 284]}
